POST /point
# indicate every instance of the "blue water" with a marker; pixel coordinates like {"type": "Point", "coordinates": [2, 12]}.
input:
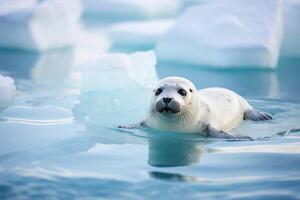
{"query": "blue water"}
{"type": "Point", "coordinates": [58, 144]}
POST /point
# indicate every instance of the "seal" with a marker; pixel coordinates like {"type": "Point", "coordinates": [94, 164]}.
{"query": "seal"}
{"type": "Point", "coordinates": [177, 105]}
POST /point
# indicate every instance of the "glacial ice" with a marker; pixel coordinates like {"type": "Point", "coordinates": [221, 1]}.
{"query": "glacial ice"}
{"type": "Point", "coordinates": [131, 9]}
{"type": "Point", "coordinates": [7, 91]}
{"type": "Point", "coordinates": [40, 26]}
{"type": "Point", "coordinates": [244, 33]}
{"type": "Point", "coordinates": [291, 42]}
{"type": "Point", "coordinates": [139, 34]}
{"type": "Point", "coordinates": [114, 85]}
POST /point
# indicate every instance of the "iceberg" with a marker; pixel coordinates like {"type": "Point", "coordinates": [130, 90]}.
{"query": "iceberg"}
{"type": "Point", "coordinates": [7, 91]}
{"type": "Point", "coordinates": [139, 34]}
{"type": "Point", "coordinates": [291, 42]}
{"type": "Point", "coordinates": [131, 9]}
{"type": "Point", "coordinates": [40, 26]}
{"type": "Point", "coordinates": [115, 85]}
{"type": "Point", "coordinates": [222, 34]}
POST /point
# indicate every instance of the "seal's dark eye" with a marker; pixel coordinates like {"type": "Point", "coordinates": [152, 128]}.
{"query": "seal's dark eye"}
{"type": "Point", "coordinates": [182, 92]}
{"type": "Point", "coordinates": [158, 92]}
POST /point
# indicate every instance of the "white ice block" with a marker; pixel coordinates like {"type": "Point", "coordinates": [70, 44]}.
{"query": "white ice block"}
{"type": "Point", "coordinates": [225, 34]}
{"type": "Point", "coordinates": [142, 34]}
{"type": "Point", "coordinates": [291, 36]}
{"type": "Point", "coordinates": [131, 9]}
{"type": "Point", "coordinates": [116, 85]}
{"type": "Point", "coordinates": [120, 71]}
{"type": "Point", "coordinates": [46, 25]}
{"type": "Point", "coordinates": [7, 91]}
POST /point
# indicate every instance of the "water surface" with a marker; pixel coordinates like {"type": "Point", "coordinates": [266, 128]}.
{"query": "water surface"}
{"type": "Point", "coordinates": [58, 144]}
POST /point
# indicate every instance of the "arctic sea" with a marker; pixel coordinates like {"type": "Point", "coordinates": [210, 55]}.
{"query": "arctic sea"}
{"type": "Point", "coordinates": [49, 150]}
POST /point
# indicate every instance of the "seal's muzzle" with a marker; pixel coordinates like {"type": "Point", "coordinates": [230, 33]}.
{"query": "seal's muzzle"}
{"type": "Point", "coordinates": [167, 105]}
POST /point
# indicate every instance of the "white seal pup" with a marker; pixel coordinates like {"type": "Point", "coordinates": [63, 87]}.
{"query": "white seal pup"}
{"type": "Point", "coordinates": [177, 105]}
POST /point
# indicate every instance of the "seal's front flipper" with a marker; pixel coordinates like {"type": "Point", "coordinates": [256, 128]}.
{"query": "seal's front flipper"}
{"type": "Point", "coordinates": [215, 133]}
{"type": "Point", "coordinates": [256, 115]}
{"type": "Point", "coordinates": [133, 126]}
{"type": "Point", "coordinates": [243, 137]}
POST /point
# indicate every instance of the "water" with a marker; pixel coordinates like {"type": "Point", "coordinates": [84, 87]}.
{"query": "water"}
{"type": "Point", "coordinates": [58, 144]}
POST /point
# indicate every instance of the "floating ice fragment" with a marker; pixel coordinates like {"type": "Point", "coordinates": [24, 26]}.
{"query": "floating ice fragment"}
{"type": "Point", "coordinates": [120, 71]}
{"type": "Point", "coordinates": [116, 89]}
{"type": "Point", "coordinates": [40, 27]}
{"type": "Point", "coordinates": [7, 91]}
{"type": "Point", "coordinates": [244, 33]}
{"type": "Point", "coordinates": [139, 34]}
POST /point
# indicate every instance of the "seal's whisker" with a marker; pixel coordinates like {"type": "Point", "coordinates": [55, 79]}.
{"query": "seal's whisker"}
{"type": "Point", "coordinates": [186, 116]}
{"type": "Point", "coordinates": [181, 119]}
{"type": "Point", "coordinates": [151, 112]}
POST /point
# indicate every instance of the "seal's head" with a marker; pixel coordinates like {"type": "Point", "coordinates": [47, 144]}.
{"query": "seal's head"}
{"type": "Point", "coordinates": [173, 96]}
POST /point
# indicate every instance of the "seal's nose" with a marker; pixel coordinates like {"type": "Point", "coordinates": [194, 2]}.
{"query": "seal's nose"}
{"type": "Point", "coordinates": [167, 99]}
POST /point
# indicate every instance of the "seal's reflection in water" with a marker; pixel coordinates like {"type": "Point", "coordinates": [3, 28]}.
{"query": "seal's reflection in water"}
{"type": "Point", "coordinates": [174, 149]}
{"type": "Point", "coordinates": [172, 176]}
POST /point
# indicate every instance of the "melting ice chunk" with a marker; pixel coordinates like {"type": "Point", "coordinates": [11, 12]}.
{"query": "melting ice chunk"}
{"type": "Point", "coordinates": [7, 91]}
{"type": "Point", "coordinates": [120, 71]}
{"type": "Point", "coordinates": [116, 89]}
{"type": "Point", "coordinates": [131, 9]}
{"type": "Point", "coordinates": [40, 27]}
{"type": "Point", "coordinates": [244, 33]}
{"type": "Point", "coordinates": [139, 34]}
